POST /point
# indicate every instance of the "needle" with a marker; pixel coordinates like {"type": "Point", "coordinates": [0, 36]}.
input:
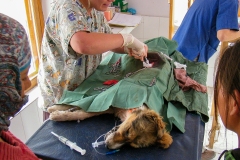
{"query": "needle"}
{"type": "Point", "coordinates": [72, 145]}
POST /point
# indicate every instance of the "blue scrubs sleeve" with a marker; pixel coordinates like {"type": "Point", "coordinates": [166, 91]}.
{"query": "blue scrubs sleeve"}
{"type": "Point", "coordinates": [227, 15]}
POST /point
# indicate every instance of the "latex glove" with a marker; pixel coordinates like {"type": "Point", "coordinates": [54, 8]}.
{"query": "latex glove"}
{"type": "Point", "coordinates": [134, 47]}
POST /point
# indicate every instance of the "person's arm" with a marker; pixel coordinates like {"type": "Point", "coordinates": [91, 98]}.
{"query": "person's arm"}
{"type": "Point", "coordinates": [228, 35]}
{"type": "Point", "coordinates": [95, 43]}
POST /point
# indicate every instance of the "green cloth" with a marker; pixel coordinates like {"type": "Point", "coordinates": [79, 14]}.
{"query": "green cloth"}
{"type": "Point", "coordinates": [164, 96]}
{"type": "Point", "coordinates": [233, 154]}
{"type": "Point", "coordinates": [228, 156]}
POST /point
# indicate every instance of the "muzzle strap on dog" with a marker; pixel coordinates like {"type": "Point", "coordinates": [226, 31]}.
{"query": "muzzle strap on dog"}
{"type": "Point", "coordinates": [96, 143]}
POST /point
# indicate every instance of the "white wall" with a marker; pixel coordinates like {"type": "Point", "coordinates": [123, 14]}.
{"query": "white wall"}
{"type": "Point", "coordinates": [29, 119]}
{"type": "Point", "coordinates": [155, 8]}
{"type": "Point", "coordinates": [151, 27]}
{"type": "Point", "coordinates": [211, 66]}
{"type": "Point", "coordinates": [155, 17]}
{"type": "Point", "coordinates": [16, 11]}
{"type": "Point", "coordinates": [180, 9]}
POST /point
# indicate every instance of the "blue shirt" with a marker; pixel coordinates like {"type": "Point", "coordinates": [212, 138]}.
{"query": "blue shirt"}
{"type": "Point", "coordinates": [197, 34]}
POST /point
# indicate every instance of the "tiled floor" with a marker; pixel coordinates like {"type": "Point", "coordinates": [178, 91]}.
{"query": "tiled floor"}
{"type": "Point", "coordinates": [225, 139]}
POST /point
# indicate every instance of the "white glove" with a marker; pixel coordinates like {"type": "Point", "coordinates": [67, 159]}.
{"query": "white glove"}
{"type": "Point", "coordinates": [134, 47]}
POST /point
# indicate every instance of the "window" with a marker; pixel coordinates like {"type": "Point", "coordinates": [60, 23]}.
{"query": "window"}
{"type": "Point", "coordinates": [35, 29]}
{"type": "Point", "coordinates": [177, 11]}
{"type": "Point", "coordinates": [29, 14]}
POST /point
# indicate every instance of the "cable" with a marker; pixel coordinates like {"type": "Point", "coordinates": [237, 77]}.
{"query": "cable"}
{"type": "Point", "coordinates": [96, 143]}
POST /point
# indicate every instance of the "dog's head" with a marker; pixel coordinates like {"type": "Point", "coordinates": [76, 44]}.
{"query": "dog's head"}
{"type": "Point", "coordinates": [142, 128]}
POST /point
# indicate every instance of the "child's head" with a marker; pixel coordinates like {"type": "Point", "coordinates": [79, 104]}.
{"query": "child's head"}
{"type": "Point", "coordinates": [15, 58]}
{"type": "Point", "coordinates": [227, 88]}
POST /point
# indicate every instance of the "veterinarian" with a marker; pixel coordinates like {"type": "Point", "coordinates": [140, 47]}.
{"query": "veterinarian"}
{"type": "Point", "coordinates": [15, 58]}
{"type": "Point", "coordinates": [227, 94]}
{"type": "Point", "coordinates": [75, 36]}
{"type": "Point", "coordinates": [206, 23]}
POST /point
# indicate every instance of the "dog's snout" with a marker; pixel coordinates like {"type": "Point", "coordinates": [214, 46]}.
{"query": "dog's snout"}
{"type": "Point", "coordinates": [113, 142]}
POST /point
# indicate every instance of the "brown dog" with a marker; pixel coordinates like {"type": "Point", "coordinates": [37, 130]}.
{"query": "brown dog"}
{"type": "Point", "coordinates": [140, 127]}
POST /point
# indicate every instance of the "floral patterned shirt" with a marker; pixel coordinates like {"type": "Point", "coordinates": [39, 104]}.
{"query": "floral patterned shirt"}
{"type": "Point", "coordinates": [61, 68]}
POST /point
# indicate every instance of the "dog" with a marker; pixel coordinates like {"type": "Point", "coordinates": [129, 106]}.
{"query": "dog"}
{"type": "Point", "coordinates": [140, 127]}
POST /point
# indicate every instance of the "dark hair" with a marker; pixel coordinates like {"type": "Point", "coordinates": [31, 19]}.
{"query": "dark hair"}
{"type": "Point", "coordinates": [227, 75]}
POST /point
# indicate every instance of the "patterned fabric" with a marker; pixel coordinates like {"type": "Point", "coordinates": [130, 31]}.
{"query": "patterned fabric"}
{"type": "Point", "coordinates": [15, 56]}
{"type": "Point", "coordinates": [13, 39]}
{"type": "Point", "coordinates": [61, 68]}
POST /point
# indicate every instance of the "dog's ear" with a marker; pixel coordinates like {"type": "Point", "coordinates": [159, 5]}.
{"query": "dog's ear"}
{"type": "Point", "coordinates": [164, 138]}
{"type": "Point", "coordinates": [160, 126]}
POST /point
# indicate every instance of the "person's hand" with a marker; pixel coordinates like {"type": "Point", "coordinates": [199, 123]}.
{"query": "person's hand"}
{"type": "Point", "coordinates": [134, 47]}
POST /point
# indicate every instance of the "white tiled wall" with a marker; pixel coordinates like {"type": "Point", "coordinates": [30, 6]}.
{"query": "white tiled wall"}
{"type": "Point", "coordinates": [157, 8]}
{"type": "Point", "coordinates": [211, 65]}
{"type": "Point", "coordinates": [224, 139]}
{"type": "Point", "coordinates": [28, 120]}
{"type": "Point", "coordinates": [151, 27]}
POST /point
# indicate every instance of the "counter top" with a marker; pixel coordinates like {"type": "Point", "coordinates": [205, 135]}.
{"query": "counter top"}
{"type": "Point", "coordinates": [117, 29]}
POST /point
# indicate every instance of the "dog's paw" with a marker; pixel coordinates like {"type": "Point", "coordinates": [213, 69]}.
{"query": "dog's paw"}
{"type": "Point", "coordinates": [166, 140]}
{"type": "Point", "coordinates": [60, 116]}
{"type": "Point", "coordinates": [59, 107]}
{"type": "Point", "coordinates": [70, 115]}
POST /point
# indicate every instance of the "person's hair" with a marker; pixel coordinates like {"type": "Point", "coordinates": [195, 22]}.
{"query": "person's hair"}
{"type": "Point", "coordinates": [227, 75]}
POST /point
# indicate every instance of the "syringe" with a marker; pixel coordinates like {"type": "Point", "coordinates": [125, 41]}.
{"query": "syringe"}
{"type": "Point", "coordinates": [72, 145]}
